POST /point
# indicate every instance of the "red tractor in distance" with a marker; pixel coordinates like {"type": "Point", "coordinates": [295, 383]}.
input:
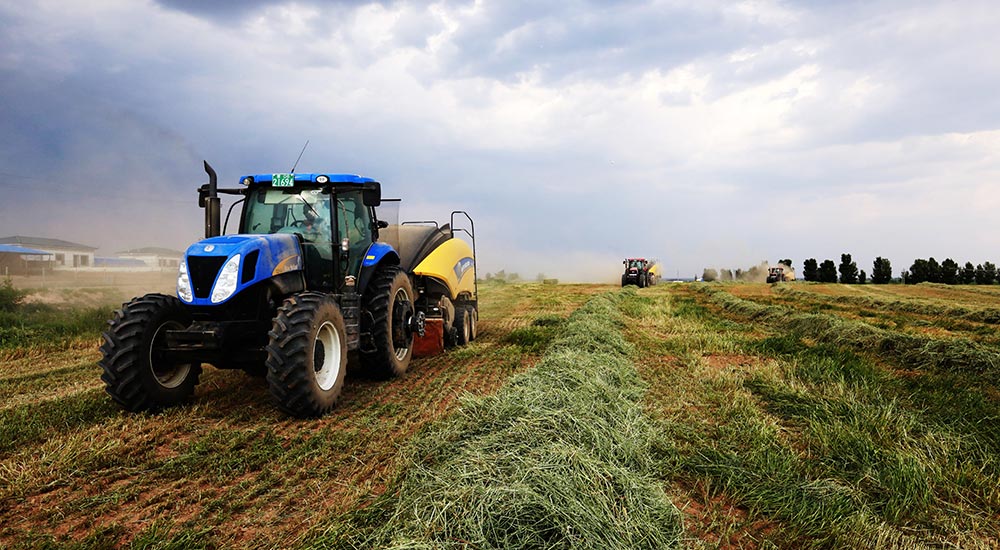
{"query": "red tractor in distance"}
{"type": "Point", "coordinates": [640, 272]}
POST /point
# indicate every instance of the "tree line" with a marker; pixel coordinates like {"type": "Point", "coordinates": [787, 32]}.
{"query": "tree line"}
{"type": "Point", "coordinates": [928, 270]}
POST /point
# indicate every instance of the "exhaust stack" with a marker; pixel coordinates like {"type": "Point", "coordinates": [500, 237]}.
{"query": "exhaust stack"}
{"type": "Point", "coordinates": [212, 204]}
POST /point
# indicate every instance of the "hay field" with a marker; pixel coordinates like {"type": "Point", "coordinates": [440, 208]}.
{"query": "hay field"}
{"type": "Point", "coordinates": [586, 416]}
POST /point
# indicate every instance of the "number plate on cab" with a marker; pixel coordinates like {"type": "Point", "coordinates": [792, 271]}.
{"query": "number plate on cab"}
{"type": "Point", "coordinates": [282, 180]}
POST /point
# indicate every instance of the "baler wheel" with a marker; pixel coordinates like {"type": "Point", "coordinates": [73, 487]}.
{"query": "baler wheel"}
{"type": "Point", "coordinates": [389, 299]}
{"type": "Point", "coordinates": [463, 326]}
{"type": "Point", "coordinates": [135, 373]}
{"type": "Point", "coordinates": [307, 355]}
{"type": "Point", "coordinates": [474, 323]}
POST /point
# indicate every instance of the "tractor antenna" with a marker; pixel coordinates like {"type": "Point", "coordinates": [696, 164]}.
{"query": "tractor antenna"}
{"type": "Point", "coordinates": [300, 156]}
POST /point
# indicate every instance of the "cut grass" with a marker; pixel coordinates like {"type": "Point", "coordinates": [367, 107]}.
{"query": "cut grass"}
{"type": "Point", "coordinates": [822, 446]}
{"type": "Point", "coordinates": [907, 350]}
{"type": "Point", "coordinates": [228, 467]}
{"type": "Point", "coordinates": [561, 457]}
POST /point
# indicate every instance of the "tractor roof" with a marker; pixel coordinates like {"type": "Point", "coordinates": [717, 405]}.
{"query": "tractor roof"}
{"type": "Point", "coordinates": [310, 178]}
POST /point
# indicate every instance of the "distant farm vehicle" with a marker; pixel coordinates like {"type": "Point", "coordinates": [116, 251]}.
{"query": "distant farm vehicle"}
{"type": "Point", "coordinates": [640, 272]}
{"type": "Point", "coordinates": [312, 275]}
{"type": "Point", "coordinates": [779, 275]}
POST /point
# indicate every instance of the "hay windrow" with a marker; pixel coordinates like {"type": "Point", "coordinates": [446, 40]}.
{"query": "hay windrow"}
{"type": "Point", "coordinates": [922, 352]}
{"type": "Point", "coordinates": [985, 315]}
{"type": "Point", "coordinates": [561, 457]}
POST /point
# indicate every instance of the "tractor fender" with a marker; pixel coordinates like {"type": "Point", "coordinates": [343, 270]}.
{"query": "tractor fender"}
{"type": "Point", "coordinates": [378, 254]}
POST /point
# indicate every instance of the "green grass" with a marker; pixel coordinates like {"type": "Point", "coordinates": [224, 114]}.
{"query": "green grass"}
{"type": "Point", "coordinates": [561, 457]}
{"type": "Point", "coordinates": [825, 446]}
{"type": "Point", "coordinates": [48, 327]}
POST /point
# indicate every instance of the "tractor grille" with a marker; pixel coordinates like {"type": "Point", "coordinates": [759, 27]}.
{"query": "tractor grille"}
{"type": "Point", "coordinates": [203, 271]}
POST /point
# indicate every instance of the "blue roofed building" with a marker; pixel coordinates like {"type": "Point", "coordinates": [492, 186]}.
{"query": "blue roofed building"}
{"type": "Point", "coordinates": [65, 254]}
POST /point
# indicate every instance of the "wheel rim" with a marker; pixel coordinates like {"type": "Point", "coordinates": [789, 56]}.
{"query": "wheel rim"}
{"type": "Point", "coordinates": [401, 319]}
{"type": "Point", "coordinates": [326, 356]}
{"type": "Point", "coordinates": [168, 375]}
{"type": "Point", "coordinates": [467, 328]}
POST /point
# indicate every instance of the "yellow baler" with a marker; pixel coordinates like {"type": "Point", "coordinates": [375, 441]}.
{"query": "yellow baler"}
{"type": "Point", "coordinates": [442, 265]}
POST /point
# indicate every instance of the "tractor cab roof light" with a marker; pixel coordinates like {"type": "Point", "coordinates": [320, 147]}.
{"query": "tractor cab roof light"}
{"type": "Point", "coordinates": [322, 179]}
{"type": "Point", "coordinates": [247, 180]}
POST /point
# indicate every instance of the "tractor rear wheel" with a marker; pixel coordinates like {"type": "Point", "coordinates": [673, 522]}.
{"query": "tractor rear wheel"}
{"type": "Point", "coordinates": [463, 326]}
{"type": "Point", "coordinates": [389, 301]}
{"type": "Point", "coordinates": [307, 355]}
{"type": "Point", "coordinates": [641, 280]}
{"type": "Point", "coordinates": [136, 373]}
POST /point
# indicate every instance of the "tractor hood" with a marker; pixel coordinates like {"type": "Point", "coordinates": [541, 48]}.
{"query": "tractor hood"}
{"type": "Point", "coordinates": [216, 269]}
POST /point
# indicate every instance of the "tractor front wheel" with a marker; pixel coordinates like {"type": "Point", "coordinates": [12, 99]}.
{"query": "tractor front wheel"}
{"type": "Point", "coordinates": [307, 355]}
{"type": "Point", "coordinates": [389, 300]}
{"type": "Point", "coordinates": [137, 373]}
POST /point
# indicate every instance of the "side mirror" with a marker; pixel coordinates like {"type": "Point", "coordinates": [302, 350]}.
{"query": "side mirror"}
{"type": "Point", "coordinates": [371, 195]}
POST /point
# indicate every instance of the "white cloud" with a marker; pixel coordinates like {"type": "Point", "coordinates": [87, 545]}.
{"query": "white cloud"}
{"type": "Point", "coordinates": [710, 122]}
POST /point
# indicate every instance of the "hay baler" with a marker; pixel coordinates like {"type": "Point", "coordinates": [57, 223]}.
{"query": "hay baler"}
{"type": "Point", "coordinates": [306, 280]}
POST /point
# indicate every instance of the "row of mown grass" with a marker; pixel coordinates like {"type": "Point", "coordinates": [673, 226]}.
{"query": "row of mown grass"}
{"type": "Point", "coordinates": [561, 457]}
{"type": "Point", "coordinates": [906, 350]}
{"type": "Point", "coordinates": [986, 315]}
{"type": "Point", "coordinates": [812, 444]}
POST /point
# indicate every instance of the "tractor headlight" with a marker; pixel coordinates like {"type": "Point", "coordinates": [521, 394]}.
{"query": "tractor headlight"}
{"type": "Point", "coordinates": [183, 283]}
{"type": "Point", "coordinates": [225, 285]}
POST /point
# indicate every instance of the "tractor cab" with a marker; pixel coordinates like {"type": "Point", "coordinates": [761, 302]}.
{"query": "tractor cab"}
{"type": "Point", "coordinates": [333, 217]}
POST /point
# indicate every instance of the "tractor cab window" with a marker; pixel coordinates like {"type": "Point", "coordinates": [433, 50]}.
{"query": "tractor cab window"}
{"type": "Point", "coordinates": [636, 264]}
{"type": "Point", "coordinates": [302, 211]}
{"type": "Point", "coordinates": [354, 224]}
{"type": "Point", "coordinates": [305, 212]}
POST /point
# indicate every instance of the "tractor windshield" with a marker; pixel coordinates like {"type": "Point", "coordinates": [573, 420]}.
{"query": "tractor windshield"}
{"type": "Point", "coordinates": [302, 211]}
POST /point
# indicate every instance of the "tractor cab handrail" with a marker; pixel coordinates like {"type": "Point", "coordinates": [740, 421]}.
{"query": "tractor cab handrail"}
{"type": "Point", "coordinates": [421, 222]}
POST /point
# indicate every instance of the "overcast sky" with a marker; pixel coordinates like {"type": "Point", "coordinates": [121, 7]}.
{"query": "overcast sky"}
{"type": "Point", "coordinates": [705, 133]}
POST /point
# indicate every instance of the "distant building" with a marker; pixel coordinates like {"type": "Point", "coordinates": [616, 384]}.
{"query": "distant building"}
{"type": "Point", "coordinates": [18, 260]}
{"type": "Point", "coordinates": [154, 257]}
{"type": "Point", "coordinates": [64, 253]}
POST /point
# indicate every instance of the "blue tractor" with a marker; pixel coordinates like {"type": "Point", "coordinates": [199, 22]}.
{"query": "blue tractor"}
{"type": "Point", "coordinates": [306, 280]}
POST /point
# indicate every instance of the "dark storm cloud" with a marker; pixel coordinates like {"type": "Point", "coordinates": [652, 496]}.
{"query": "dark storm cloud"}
{"type": "Point", "coordinates": [223, 10]}
{"type": "Point", "coordinates": [592, 39]}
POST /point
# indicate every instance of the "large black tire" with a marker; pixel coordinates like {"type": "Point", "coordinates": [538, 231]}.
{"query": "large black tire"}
{"type": "Point", "coordinates": [134, 374]}
{"type": "Point", "coordinates": [623, 281]}
{"type": "Point", "coordinates": [641, 280]}
{"type": "Point", "coordinates": [389, 300]}
{"type": "Point", "coordinates": [463, 326]}
{"type": "Point", "coordinates": [307, 355]}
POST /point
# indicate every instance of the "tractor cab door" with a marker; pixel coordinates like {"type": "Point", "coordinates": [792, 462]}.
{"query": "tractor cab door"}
{"type": "Point", "coordinates": [354, 223]}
